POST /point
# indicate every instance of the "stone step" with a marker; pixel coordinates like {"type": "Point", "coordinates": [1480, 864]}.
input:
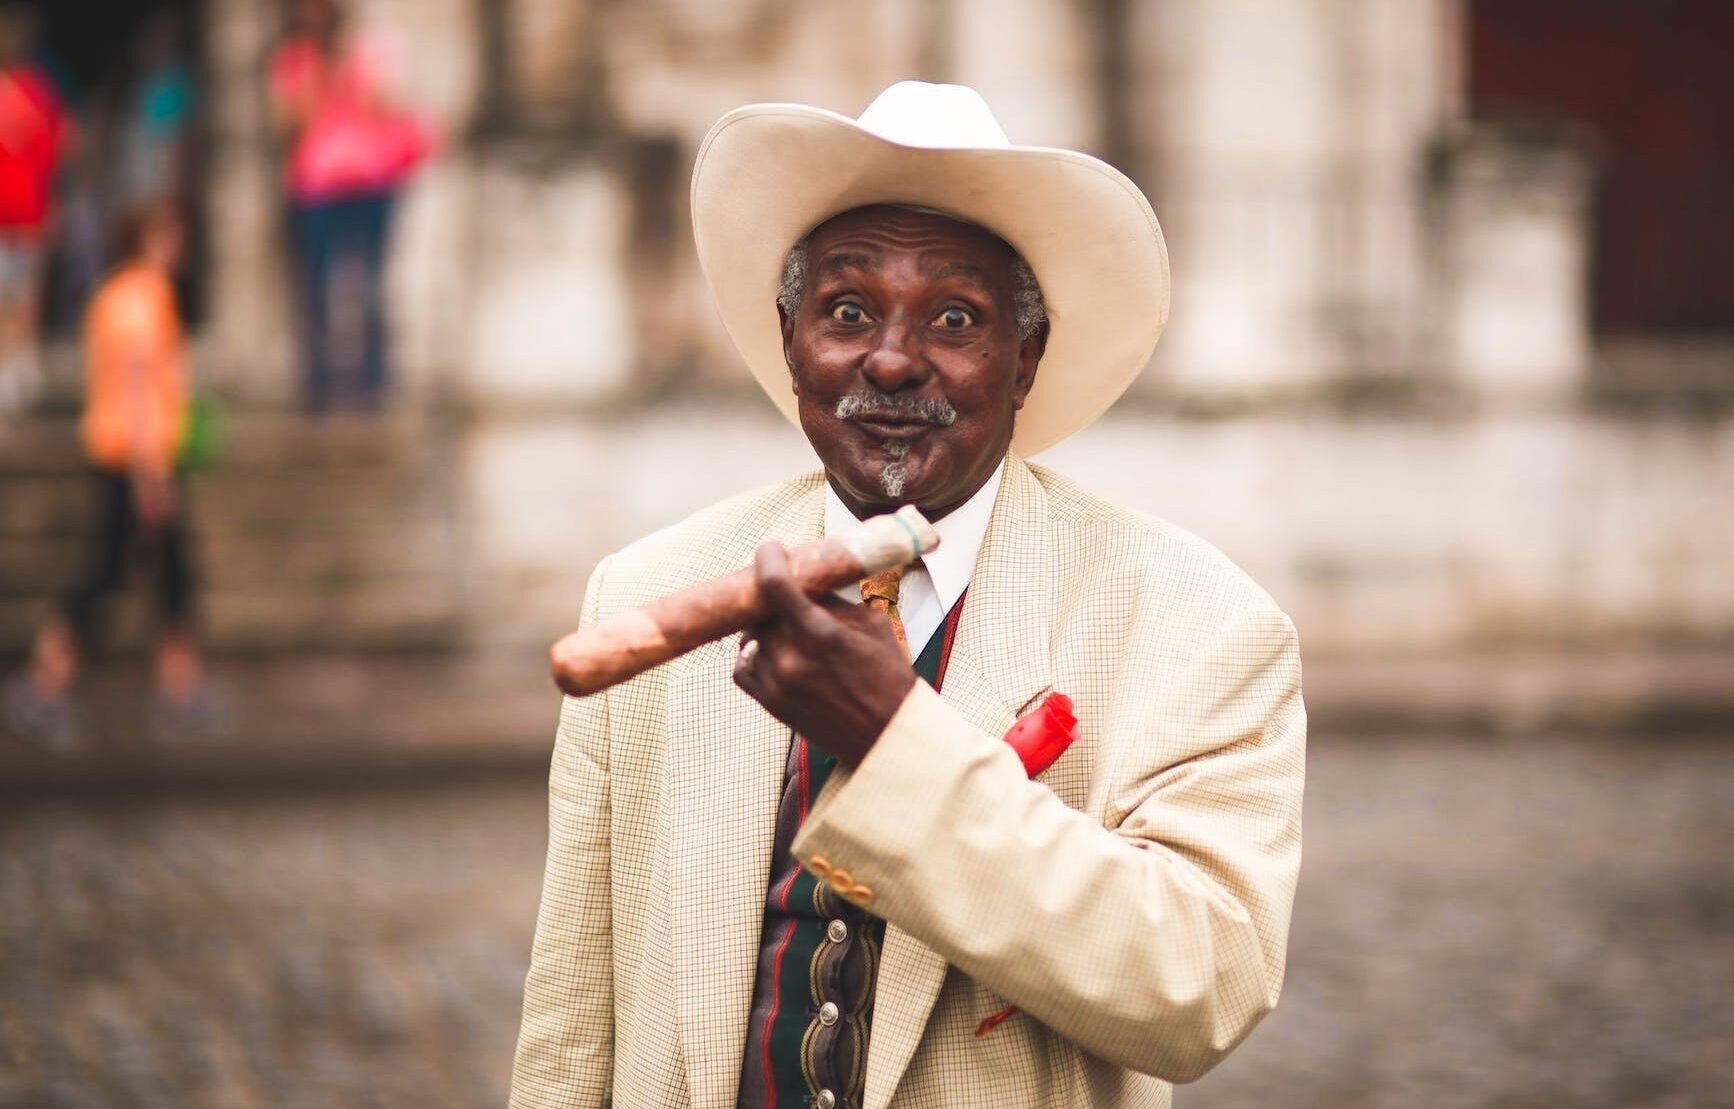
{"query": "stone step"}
{"type": "Point", "coordinates": [49, 444]}
{"type": "Point", "coordinates": [38, 445]}
{"type": "Point", "coordinates": [45, 503]}
{"type": "Point", "coordinates": [331, 535]}
{"type": "Point", "coordinates": [279, 442]}
{"type": "Point", "coordinates": [229, 558]}
{"type": "Point", "coordinates": [406, 612]}
{"type": "Point", "coordinates": [281, 505]}
{"type": "Point", "coordinates": [294, 503]}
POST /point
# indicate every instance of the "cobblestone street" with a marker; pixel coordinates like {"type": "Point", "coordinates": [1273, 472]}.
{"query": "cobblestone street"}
{"type": "Point", "coordinates": [1481, 923]}
{"type": "Point", "coordinates": [363, 950]}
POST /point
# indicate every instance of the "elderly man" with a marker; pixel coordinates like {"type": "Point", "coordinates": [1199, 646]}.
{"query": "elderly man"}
{"type": "Point", "coordinates": [805, 869]}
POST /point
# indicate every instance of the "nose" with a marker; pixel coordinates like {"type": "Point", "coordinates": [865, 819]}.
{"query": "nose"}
{"type": "Point", "coordinates": [896, 360]}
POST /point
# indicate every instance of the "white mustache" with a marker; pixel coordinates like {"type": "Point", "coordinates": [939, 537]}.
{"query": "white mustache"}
{"type": "Point", "coordinates": [866, 405]}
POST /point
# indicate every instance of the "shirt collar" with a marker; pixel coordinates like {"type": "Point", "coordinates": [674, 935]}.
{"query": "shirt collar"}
{"type": "Point", "coordinates": [961, 533]}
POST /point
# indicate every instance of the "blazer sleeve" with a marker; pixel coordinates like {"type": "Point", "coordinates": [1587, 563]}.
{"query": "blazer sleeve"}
{"type": "Point", "coordinates": [1153, 938]}
{"type": "Point", "coordinates": [565, 1054]}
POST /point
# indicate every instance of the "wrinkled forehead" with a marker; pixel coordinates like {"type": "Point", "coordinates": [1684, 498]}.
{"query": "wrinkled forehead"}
{"type": "Point", "coordinates": [906, 226]}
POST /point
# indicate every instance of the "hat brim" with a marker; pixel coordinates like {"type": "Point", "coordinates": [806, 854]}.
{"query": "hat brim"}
{"type": "Point", "coordinates": [769, 173]}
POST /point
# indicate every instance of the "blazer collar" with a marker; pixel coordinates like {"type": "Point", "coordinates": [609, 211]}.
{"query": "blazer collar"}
{"type": "Point", "coordinates": [1002, 660]}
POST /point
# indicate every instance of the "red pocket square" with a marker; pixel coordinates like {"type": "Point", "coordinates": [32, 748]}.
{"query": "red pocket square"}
{"type": "Point", "coordinates": [1042, 736]}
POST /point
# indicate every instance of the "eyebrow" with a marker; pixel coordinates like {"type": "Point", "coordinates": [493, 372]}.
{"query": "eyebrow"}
{"type": "Point", "coordinates": [961, 269]}
{"type": "Point", "coordinates": [838, 262]}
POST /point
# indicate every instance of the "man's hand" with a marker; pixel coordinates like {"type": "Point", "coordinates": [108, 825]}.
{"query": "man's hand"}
{"type": "Point", "coordinates": [832, 671]}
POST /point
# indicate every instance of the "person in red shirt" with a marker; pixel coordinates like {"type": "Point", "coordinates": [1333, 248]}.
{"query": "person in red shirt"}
{"type": "Point", "coordinates": [34, 133]}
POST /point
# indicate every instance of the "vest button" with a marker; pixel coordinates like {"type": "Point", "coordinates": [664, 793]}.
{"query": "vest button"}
{"type": "Point", "coordinates": [828, 1014]}
{"type": "Point", "coordinates": [836, 931]}
{"type": "Point", "coordinates": [826, 1100]}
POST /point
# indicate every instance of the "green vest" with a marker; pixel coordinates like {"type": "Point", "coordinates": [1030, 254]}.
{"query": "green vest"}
{"type": "Point", "coordinates": [815, 907]}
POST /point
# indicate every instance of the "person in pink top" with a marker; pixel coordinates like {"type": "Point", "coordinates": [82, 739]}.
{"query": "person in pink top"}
{"type": "Point", "coordinates": [349, 153]}
{"type": "Point", "coordinates": [34, 133]}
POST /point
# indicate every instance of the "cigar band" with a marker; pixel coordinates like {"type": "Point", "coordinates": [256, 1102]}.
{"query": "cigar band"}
{"type": "Point", "coordinates": [879, 543]}
{"type": "Point", "coordinates": [914, 538]}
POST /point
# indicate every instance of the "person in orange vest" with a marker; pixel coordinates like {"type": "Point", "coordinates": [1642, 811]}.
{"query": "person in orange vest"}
{"type": "Point", "coordinates": [135, 421]}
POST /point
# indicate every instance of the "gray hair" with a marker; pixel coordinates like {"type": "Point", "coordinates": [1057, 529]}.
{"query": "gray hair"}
{"type": "Point", "coordinates": [1028, 307]}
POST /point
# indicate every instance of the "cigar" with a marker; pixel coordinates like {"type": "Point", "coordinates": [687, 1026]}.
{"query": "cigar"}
{"type": "Point", "coordinates": [610, 651]}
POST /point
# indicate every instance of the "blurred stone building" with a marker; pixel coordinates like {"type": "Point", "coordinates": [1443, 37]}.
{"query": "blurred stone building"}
{"type": "Point", "coordinates": [1449, 358]}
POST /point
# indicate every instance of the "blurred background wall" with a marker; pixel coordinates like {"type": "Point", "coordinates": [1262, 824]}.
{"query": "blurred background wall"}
{"type": "Point", "coordinates": [1450, 371]}
{"type": "Point", "coordinates": [1453, 328]}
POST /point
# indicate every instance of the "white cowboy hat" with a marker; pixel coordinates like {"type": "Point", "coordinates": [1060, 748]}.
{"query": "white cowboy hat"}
{"type": "Point", "coordinates": [769, 173]}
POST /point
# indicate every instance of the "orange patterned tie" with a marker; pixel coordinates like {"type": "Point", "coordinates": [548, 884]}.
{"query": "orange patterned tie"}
{"type": "Point", "coordinates": [879, 593]}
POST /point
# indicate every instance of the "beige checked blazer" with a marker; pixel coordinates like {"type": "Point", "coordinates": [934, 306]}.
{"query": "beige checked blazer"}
{"type": "Point", "coordinates": [1133, 902]}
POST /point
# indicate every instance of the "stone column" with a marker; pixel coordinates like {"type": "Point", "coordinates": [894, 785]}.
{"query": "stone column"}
{"type": "Point", "coordinates": [247, 348]}
{"type": "Point", "coordinates": [1281, 143]}
{"type": "Point", "coordinates": [1035, 63]}
{"type": "Point", "coordinates": [551, 293]}
{"type": "Point", "coordinates": [1513, 243]}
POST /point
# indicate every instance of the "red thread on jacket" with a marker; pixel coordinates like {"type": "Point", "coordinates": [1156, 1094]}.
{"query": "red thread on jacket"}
{"type": "Point", "coordinates": [994, 1021]}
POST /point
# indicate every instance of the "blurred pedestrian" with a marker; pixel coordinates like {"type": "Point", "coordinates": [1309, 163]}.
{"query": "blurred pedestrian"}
{"type": "Point", "coordinates": [134, 427]}
{"type": "Point", "coordinates": [34, 132]}
{"type": "Point", "coordinates": [351, 150]}
{"type": "Point", "coordinates": [153, 134]}
{"type": "Point", "coordinates": [137, 149]}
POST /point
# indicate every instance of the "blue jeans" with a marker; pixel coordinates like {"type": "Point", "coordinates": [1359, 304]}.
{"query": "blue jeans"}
{"type": "Point", "coordinates": [340, 254]}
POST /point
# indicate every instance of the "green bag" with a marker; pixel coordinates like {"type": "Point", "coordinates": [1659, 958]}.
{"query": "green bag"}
{"type": "Point", "coordinates": [203, 440]}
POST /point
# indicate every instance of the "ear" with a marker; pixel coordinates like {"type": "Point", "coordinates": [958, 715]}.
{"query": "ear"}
{"type": "Point", "coordinates": [787, 324]}
{"type": "Point", "coordinates": [1029, 356]}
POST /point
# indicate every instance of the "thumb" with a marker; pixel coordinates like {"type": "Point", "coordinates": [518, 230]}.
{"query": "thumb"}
{"type": "Point", "coordinates": [776, 581]}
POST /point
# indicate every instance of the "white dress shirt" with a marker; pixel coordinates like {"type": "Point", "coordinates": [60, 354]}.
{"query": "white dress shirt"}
{"type": "Point", "coordinates": [928, 591]}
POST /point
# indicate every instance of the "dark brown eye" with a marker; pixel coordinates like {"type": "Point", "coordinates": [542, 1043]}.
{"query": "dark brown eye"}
{"type": "Point", "coordinates": [849, 312]}
{"type": "Point", "coordinates": [954, 318]}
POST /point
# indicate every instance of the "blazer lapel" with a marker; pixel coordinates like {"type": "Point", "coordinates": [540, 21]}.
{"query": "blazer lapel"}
{"type": "Point", "coordinates": [1000, 664]}
{"type": "Point", "coordinates": [725, 770]}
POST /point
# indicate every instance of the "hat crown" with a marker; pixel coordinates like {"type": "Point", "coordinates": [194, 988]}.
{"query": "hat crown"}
{"type": "Point", "coordinates": [916, 113]}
